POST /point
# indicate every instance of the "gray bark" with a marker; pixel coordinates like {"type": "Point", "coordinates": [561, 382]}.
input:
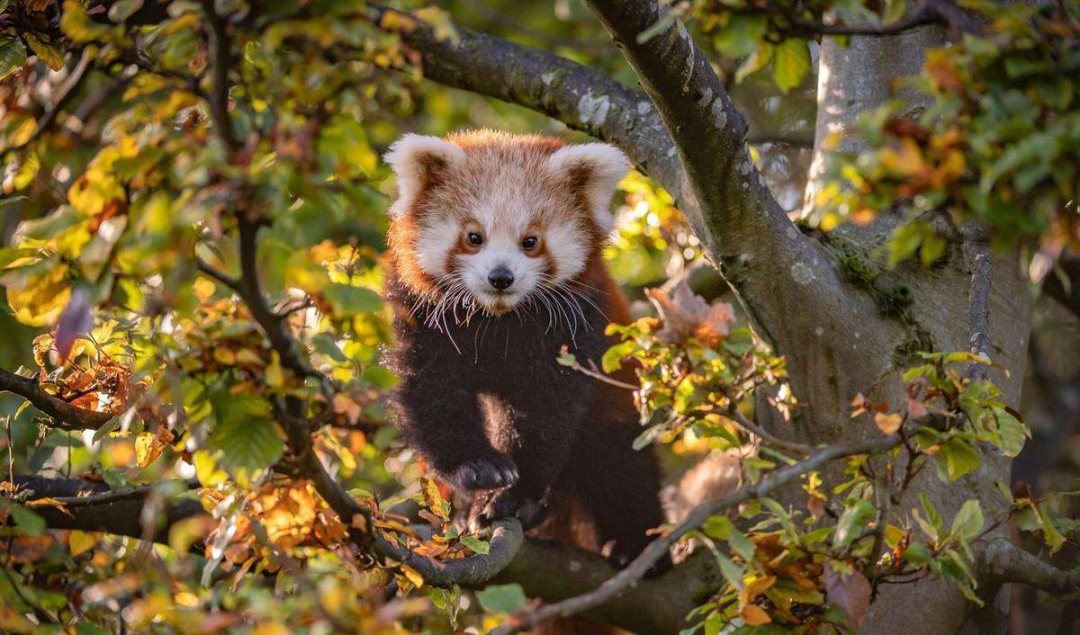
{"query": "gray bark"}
{"type": "Point", "coordinates": [852, 80]}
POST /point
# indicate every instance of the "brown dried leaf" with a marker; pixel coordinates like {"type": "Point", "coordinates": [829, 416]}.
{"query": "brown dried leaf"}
{"type": "Point", "coordinates": [850, 593]}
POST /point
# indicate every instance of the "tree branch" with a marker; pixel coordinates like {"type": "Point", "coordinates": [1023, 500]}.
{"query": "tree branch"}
{"type": "Point", "coordinates": [1000, 562]}
{"type": "Point", "coordinates": [582, 97]}
{"type": "Point", "coordinates": [118, 512]}
{"type": "Point", "coordinates": [637, 569]}
{"type": "Point", "coordinates": [69, 417]}
{"type": "Point", "coordinates": [221, 60]}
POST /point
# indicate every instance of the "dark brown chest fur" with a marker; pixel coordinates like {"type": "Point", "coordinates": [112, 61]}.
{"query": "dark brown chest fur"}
{"type": "Point", "coordinates": [489, 394]}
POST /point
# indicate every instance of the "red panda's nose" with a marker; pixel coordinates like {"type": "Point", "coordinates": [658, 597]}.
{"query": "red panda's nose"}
{"type": "Point", "coordinates": [501, 278]}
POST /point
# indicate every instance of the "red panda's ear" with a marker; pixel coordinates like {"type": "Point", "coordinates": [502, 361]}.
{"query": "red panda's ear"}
{"type": "Point", "coordinates": [420, 162]}
{"type": "Point", "coordinates": [593, 169]}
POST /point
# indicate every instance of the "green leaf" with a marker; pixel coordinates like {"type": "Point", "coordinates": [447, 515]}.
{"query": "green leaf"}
{"type": "Point", "coordinates": [968, 522]}
{"type": "Point", "coordinates": [27, 521]}
{"type": "Point", "coordinates": [109, 426]}
{"type": "Point", "coordinates": [647, 437]}
{"type": "Point", "coordinates": [346, 300]}
{"type": "Point", "coordinates": [478, 546]}
{"type": "Point", "coordinates": [959, 457]}
{"type": "Point", "coordinates": [324, 343]}
{"type": "Point", "coordinates": [761, 57]}
{"type": "Point", "coordinates": [733, 573]}
{"type": "Point", "coordinates": [245, 435]}
{"type": "Point", "coordinates": [12, 55]}
{"type": "Point", "coordinates": [612, 359]}
{"type": "Point", "coordinates": [791, 63]}
{"type": "Point", "coordinates": [52, 56]}
{"type": "Point", "coordinates": [852, 523]}
{"type": "Point", "coordinates": [502, 598]}
{"type": "Point", "coordinates": [903, 242]}
{"type": "Point", "coordinates": [742, 35]}
{"type": "Point", "coordinates": [741, 544]}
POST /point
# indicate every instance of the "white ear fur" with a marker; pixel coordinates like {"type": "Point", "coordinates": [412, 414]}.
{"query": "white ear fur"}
{"type": "Point", "coordinates": [606, 166]}
{"type": "Point", "coordinates": [410, 157]}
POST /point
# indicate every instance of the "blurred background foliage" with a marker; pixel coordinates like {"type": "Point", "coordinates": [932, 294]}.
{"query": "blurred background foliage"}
{"type": "Point", "coordinates": [111, 200]}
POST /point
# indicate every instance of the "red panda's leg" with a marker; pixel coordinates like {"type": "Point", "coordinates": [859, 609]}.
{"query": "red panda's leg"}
{"type": "Point", "coordinates": [444, 424]}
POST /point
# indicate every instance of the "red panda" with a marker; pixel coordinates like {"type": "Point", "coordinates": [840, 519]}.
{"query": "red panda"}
{"type": "Point", "coordinates": [494, 265]}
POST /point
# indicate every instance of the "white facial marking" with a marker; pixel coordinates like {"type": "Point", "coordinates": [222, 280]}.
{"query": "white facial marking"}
{"type": "Point", "coordinates": [505, 197]}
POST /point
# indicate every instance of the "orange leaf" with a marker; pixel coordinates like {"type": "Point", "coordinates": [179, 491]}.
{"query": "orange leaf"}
{"type": "Point", "coordinates": [754, 615]}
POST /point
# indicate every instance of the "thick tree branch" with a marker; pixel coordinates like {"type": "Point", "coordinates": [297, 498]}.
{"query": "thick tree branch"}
{"type": "Point", "coordinates": [118, 512]}
{"type": "Point", "coordinates": [637, 569]}
{"type": "Point", "coordinates": [1000, 562]}
{"type": "Point", "coordinates": [582, 97]}
{"type": "Point", "coordinates": [68, 416]}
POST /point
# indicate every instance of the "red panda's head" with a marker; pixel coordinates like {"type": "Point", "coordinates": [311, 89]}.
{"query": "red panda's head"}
{"type": "Point", "coordinates": [492, 219]}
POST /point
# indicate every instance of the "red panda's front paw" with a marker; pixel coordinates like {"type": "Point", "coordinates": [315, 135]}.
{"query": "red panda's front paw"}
{"type": "Point", "coordinates": [494, 472]}
{"type": "Point", "coordinates": [506, 504]}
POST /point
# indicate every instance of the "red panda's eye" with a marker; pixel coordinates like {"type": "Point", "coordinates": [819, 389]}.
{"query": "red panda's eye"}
{"type": "Point", "coordinates": [475, 239]}
{"type": "Point", "coordinates": [529, 243]}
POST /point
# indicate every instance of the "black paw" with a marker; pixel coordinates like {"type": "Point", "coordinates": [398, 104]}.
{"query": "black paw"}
{"type": "Point", "coordinates": [495, 472]}
{"type": "Point", "coordinates": [505, 504]}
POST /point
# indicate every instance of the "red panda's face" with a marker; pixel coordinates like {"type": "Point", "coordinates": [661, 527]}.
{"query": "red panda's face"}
{"type": "Point", "coordinates": [494, 221]}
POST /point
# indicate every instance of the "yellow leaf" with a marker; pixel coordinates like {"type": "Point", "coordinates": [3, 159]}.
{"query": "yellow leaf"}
{"type": "Point", "coordinates": [413, 575]}
{"type": "Point", "coordinates": [144, 447]}
{"type": "Point", "coordinates": [186, 599]}
{"type": "Point", "coordinates": [903, 157]}
{"type": "Point", "coordinates": [888, 423]}
{"type": "Point", "coordinates": [37, 300]}
{"type": "Point", "coordinates": [80, 541]}
{"type": "Point", "coordinates": [224, 356]}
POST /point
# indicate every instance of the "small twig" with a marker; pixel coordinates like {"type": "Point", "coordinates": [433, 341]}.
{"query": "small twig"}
{"type": "Point", "coordinates": [595, 373]}
{"type": "Point", "coordinates": [697, 517]}
{"type": "Point", "coordinates": [118, 494]}
{"type": "Point", "coordinates": [732, 412]}
{"type": "Point", "coordinates": [218, 275]}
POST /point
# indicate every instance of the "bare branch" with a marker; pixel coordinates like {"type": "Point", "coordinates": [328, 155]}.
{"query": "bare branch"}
{"type": "Point", "coordinates": [218, 275]}
{"type": "Point", "coordinates": [66, 415]}
{"type": "Point", "coordinates": [1000, 561]}
{"type": "Point", "coordinates": [697, 517]}
{"type": "Point", "coordinates": [732, 412]}
{"type": "Point", "coordinates": [114, 511]}
{"type": "Point", "coordinates": [221, 60]}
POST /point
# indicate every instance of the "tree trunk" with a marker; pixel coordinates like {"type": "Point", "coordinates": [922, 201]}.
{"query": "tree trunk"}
{"type": "Point", "coordinates": [872, 353]}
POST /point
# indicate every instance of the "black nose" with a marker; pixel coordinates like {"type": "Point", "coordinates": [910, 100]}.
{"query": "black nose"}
{"type": "Point", "coordinates": [501, 278]}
